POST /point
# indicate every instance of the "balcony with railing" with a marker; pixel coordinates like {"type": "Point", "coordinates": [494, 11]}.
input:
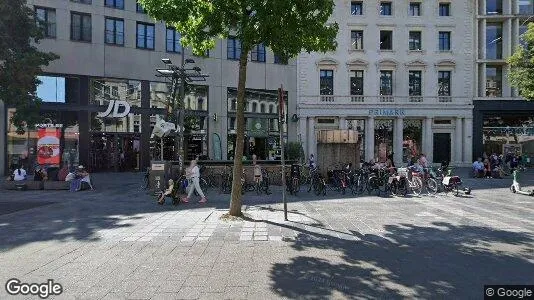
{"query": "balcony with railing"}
{"type": "Point", "coordinates": [385, 99]}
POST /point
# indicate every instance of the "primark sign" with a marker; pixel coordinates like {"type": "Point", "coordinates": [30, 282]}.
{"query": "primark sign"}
{"type": "Point", "coordinates": [387, 112]}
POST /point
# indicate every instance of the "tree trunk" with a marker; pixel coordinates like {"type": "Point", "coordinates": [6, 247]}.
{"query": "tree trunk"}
{"type": "Point", "coordinates": [235, 202]}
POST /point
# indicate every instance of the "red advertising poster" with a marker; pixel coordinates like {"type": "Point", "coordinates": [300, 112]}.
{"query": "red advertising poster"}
{"type": "Point", "coordinates": [48, 146]}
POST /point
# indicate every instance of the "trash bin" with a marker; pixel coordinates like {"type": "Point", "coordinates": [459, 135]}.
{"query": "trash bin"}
{"type": "Point", "coordinates": [159, 172]}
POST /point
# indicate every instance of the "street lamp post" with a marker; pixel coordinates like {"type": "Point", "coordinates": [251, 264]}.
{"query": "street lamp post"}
{"type": "Point", "coordinates": [180, 75]}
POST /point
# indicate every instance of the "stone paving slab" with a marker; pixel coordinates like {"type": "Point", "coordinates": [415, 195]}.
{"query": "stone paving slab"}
{"type": "Point", "coordinates": [114, 244]}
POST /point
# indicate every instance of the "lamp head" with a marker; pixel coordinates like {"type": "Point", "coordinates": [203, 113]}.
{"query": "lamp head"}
{"type": "Point", "coordinates": [189, 61]}
{"type": "Point", "coordinates": [166, 61]}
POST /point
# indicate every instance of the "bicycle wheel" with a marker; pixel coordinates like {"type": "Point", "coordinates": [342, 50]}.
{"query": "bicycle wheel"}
{"type": "Point", "coordinates": [431, 186]}
{"type": "Point", "coordinates": [258, 187]}
{"type": "Point", "coordinates": [362, 185]}
{"type": "Point", "coordinates": [296, 186]}
{"type": "Point", "coordinates": [417, 186]}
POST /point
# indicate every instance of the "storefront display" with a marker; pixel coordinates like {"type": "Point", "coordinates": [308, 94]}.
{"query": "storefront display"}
{"type": "Point", "coordinates": [509, 134]}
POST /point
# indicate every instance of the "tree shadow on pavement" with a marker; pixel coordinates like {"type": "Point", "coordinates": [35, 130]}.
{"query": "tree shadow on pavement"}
{"type": "Point", "coordinates": [406, 261]}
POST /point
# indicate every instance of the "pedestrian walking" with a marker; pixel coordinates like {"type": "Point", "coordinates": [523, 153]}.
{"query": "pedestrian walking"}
{"type": "Point", "coordinates": [193, 173]}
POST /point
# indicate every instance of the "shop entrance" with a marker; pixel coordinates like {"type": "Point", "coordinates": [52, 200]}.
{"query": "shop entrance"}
{"type": "Point", "coordinates": [442, 147]}
{"type": "Point", "coordinates": [114, 152]}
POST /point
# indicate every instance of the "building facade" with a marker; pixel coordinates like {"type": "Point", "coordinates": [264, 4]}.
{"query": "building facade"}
{"type": "Point", "coordinates": [401, 78]}
{"type": "Point", "coordinates": [109, 52]}
{"type": "Point", "coordinates": [503, 121]}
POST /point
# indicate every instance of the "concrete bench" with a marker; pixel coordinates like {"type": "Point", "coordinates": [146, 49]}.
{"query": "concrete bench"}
{"type": "Point", "coordinates": [56, 185]}
{"type": "Point", "coordinates": [23, 185]}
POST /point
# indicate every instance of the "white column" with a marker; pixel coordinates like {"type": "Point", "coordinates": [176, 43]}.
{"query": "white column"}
{"type": "Point", "coordinates": [468, 141]}
{"type": "Point", "coordinates": [428, 146]}
{"type": "Point", "coordinates": [370, 139]}
{"type": "Point", "coordinates": [312, 144]}
{"type": "Point", "coordinates": [342, 123]}
{"type": "Point", "coordinates": [458, 142]}
{"type": "Point", "coordinates": [303, 135]}
{"type": "Point", "coordinates": [397, 140]}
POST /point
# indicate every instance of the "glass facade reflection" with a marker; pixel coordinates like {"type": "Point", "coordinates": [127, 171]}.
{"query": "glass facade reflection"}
{"type": "Point", "coordinates": [383, 139]}
{"type": "Point", "coordinates": [501, 132]}
{"type": "Point", "coordinates": [261, 120]}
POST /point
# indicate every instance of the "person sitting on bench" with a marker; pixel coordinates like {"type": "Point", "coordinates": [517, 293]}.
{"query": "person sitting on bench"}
{"type": "Point", "coordinates": [19, 174]}
{"type": "Point", "coordinates": [478, 168]}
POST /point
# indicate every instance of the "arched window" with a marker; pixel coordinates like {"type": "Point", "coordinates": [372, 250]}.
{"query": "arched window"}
{"type": "Point", "coordinates": [271, 109]}
{"type": "Point", "coordinates": [262, 108]}
{"type": "Point", "coordinates": [254, 107]}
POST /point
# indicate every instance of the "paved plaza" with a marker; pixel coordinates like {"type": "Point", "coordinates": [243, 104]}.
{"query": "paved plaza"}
{"type": "Point", "coordinates": [116, 243]}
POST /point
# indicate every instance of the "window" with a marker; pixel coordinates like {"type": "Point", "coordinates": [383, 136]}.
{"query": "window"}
{"type": "Point", "coordinates": [356, 8]}
{"type": "Point", "coordinates": [114, 31]}
{"type": "Point", "coordinates": [415, 40]}
{"type": "Point", "coordinates": [280, 60]}
{"type": "Point", "coordinates": [46, 20]}
{"type": "Point", "coordinates": [356, 82]}
{"type": "Point", "coordinates": [51, 89]}
{"type": "Point", "coordinates": [444, 41]}
{"type": "Point", "coordinates": [385, 8]}
{"type": "Point", "coordinates": [145, 36]}
{"type": "Point", "coordinates": [258, 53]}
{"type": "Point", "coordinates": [444, 9]}
{"type": "Point", "coordinates": [386, 40]}
{"type": "Point", "coordinates": [522, 30]}
{"type": "Point", "coordinates": [494, 41]}
{"type": "Point", "coordinates": [356, 37]}
{"type": "Point", "coordinates": [493, 81]}
{"type": "Point", "coordinates": [326, 82]}
{"type": "Point", "coordinates": [173, 41]}
{"type": "Point", "coordinates": [232, 124]}
{"type": "Point", "coordinates": [415, 9]}
{"type": "Point", "coordinates": [444, 83]}
{"type": "Point", "coordinates": [262, 108]}
{"type": "Point", "coordinates": [139, 8]}
{"type": "Point", "coordinates": [82, 1]}
{"type": "Point", "coordinates": [386, 83]}
{"type": "Point", "coordinates": [494, 7]}
{"type": "Point", "coordinates": [233, 48]}
{"type": "Point", "coordinates": [526, 7]}
{"type": "Point", "coordinates": [414, 80]}
{"type": "Point", "coordinates": [80, 27]}
{"type": "Point", "coordinates": [114, 3]}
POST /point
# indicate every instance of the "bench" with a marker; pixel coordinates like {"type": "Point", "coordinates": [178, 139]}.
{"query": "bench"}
{"type": "Point", "coordinates": [23, 185]}
{"type": "Point", "coordinates": [56, 185]}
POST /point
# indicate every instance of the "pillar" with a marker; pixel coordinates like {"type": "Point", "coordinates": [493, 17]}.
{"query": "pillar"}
{"type": "Point", "coordinates": [146, 130]}
{"type": "Point", "coordinates": [428, 146]}
{"type": "Point", "coordinates": [468, 141]}
{"type": "Point", "coordinates": [303, 135]}
{"type": "Point", "coordinates": [312, 143]}
{"type": "Point", "coordinates": [397, 140]}
{"type": "Point", "coordinates": [458, 141]}
{"type": "Point", "coordinates": [370, 139]}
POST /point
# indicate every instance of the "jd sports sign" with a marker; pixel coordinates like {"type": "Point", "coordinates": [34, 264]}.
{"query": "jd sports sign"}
{"type": "Point", "coordinates": [113, 109]}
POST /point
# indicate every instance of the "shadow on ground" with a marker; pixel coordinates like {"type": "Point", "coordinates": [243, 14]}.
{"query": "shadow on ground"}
{"type": "Point", "coordinates": [443, 261]}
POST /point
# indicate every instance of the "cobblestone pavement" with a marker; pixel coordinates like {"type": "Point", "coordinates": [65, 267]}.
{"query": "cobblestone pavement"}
{"type": "Point", "coordinates": [116, 243]}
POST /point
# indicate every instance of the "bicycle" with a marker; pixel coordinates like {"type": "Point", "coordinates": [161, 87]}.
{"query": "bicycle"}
{"type": "Point", "coordinates": [318, 183]}
{"type": "Point", "coordinates": [145, 185]}
{"type": "Point", "coordinates": [413, 181]}
{"type": "Point", "coordinates": [262, 183]}
{"type": "Point", "coordinates": [378, 180]}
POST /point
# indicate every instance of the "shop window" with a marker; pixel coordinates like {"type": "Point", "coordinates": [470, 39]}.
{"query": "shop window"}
{"type": "Point", "coordinates": [509, 133]}
{"type": "Point", "coordinates": [383, 139]}
{"type": "Point", "coordinates": [412, 139]}
{"type": "Point", "coordinates": [104, 90]}
{"type": "Point", "coordinates": [197, 95]}
{"type": "Point", "coordinates": [358, 126]}
{"type": "Point", "coordinates": [58, 89]}
{"type": "Point", "coordinates": [61, 132]}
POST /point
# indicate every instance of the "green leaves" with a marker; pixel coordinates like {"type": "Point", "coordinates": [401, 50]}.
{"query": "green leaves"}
{"type": "Point", "coordinates": [286, 26]}
{"type": "Point", "coordinates": [522, 65]}
{"type": "Point", "coordinates": [20, 61]}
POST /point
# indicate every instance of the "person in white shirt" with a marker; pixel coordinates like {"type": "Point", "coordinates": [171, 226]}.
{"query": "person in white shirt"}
{"type": "Point", "coordinates": [19, 174]}
{"type": "Point", "coordinates": [193, 173]}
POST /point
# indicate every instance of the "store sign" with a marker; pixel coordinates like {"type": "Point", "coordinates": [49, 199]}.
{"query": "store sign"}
{"type": "Point", "coordinates": [113, 109]}
{"type": "Point", "coordinates": [48, 151]}
{"type": "Point", "coordinates": [387, 112]}
{"type": "Point", "coordinates": [49, 125]}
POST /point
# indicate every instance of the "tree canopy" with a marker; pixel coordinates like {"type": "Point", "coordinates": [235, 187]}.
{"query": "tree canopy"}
{"type": "Point", "coordinates": [286, 26]}
{"type": "Point", "coordinates": [522, 65]}
{"type": "Point", "coordinates": [20, 61]}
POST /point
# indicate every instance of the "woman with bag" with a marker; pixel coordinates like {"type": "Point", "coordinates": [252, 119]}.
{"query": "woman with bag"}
{"type": "Point", "coordinates": [193, 175]}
